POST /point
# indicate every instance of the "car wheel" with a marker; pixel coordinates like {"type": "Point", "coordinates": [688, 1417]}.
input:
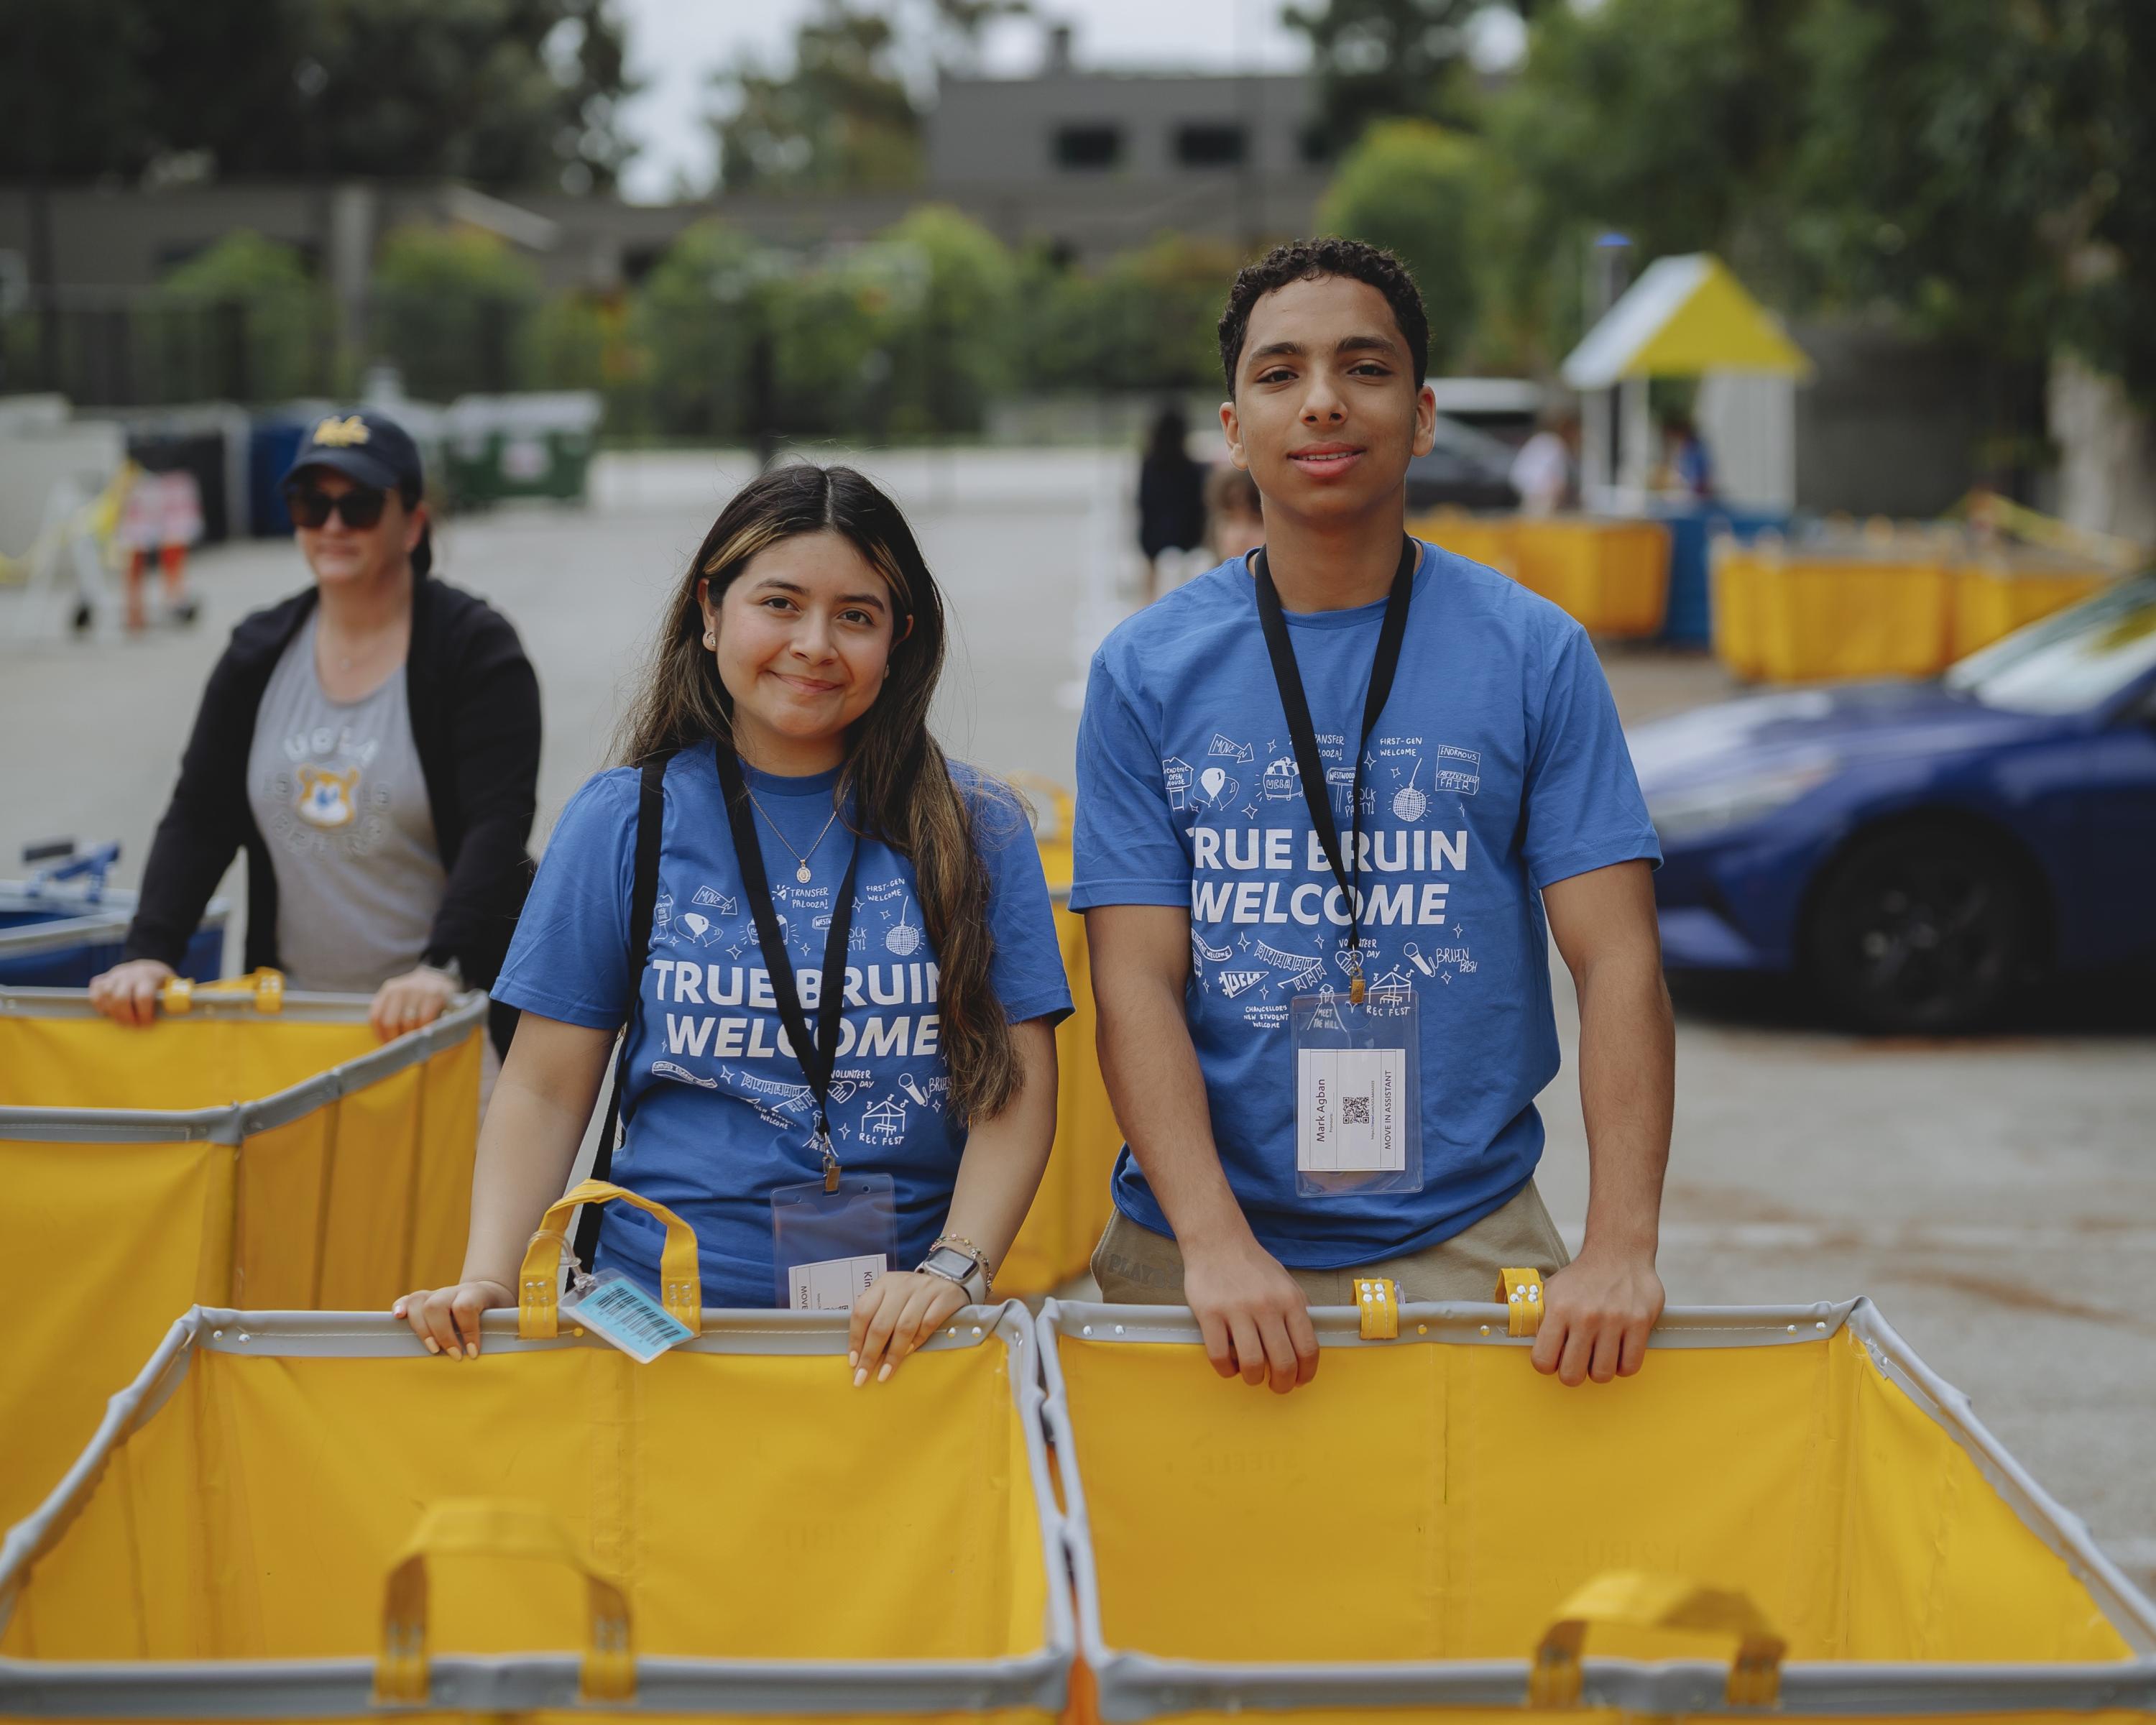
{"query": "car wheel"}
{"type": "Point", "coordinates": [1919, 928]}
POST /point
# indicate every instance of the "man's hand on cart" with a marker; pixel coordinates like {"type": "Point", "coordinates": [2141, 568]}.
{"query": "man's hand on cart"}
{"type": "Point", "coordinates": [1253, 1314]}
{"type": "Point", "coordinates": [896, 1313]}
{"type": "Point", "coordinates": [127, 993]}
{"type": "Point", "coordinates": [447, 1319]}
{"type": "Point", "coordinates": [1597, 1313]}
{"type": "Point", "coordinates": [411, 1001]}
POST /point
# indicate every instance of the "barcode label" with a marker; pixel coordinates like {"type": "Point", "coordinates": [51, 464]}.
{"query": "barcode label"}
{"type": "Point", "coordinates": [619, 1312]}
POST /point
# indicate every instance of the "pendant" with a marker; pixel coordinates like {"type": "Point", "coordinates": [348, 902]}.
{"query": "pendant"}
{"type": "Point", "coordinates": [801, 874]}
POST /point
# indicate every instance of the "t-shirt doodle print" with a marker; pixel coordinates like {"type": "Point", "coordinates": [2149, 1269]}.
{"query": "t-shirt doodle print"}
{"type": "Point", "coordinates": [1498, 767]}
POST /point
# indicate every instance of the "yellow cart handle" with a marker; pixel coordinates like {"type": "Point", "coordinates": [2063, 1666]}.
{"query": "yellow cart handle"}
{"type": "Point", "coordinates": [538, 1300]}
{"type": "Point", "coordinates": [1520, 1291]}
{"type": "Point", "coordinates": [177, 998]}
{"type": "Point", "coordinates": [492, 1528]}
{"type": "Point", "coordinates": [1636, 1598]}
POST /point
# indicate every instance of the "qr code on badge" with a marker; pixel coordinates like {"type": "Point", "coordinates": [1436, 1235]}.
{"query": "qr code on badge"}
{"type": "Point", "coordinates": [1354, 1111]}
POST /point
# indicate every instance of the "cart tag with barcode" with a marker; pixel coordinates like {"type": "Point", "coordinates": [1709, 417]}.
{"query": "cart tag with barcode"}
{"type": "Point", "coordinates": [619, 1311]}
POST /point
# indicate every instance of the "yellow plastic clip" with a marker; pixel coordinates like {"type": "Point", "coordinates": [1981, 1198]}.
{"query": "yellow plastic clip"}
{"type": "Point", "coordinates": [177, 998]}
{"type": "Point", "coordinates": [1380, 1302]}
{"type": "Point", "coordinates": [1521, 1292]}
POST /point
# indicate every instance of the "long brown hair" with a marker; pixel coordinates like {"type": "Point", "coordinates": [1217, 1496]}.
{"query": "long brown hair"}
{"type": "Point", "coordinates": [899, 779]}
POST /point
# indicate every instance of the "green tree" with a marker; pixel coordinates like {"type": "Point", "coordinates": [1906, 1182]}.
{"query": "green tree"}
{"type": "Point", "coordinates": [950, 304]}
{"type": "Point", "coordinates": [1412, 188]}
{"type": "Point", "coordinates": [694, 315]}
{"type": "Point", "coordinates": [504, 92]}
{"type": "Point", "coordinates": [282, 318]}
{"type": "Point", "coordinates": [1991, 172]}
{"type": "Point", "coordinates": [1377, 60]}
{"type": "Point", "coordinates": [450, 308]}
{"type": "Point", "coordinates": [1147, 320]}
{"type": "Point", "coordinates": [841, 116]}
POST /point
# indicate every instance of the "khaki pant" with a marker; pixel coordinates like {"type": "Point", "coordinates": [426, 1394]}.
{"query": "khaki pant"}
{"type": "Point", "coordinates": [1135, 1266]}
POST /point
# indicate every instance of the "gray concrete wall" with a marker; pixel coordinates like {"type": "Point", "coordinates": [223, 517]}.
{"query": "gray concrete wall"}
{"type": "Point", "coordinates": [1889, 426]}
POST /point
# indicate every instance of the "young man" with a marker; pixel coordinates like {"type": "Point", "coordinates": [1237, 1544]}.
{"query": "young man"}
{"type": "Point", "coordinates": [1237, 906]}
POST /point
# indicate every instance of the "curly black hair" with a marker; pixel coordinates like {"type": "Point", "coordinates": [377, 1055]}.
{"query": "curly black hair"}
{"type": "Point", "coordinates": [1309, 260]}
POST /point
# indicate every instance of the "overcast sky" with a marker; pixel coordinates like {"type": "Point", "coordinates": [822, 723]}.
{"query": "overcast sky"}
{"type": "Point", "coordinates": [675, 44]}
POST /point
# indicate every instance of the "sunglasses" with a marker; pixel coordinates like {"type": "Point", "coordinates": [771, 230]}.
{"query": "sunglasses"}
{"type": "Point", "coordinates": [360, 507]}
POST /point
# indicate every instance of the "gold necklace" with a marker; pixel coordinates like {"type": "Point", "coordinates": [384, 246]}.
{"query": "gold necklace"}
{"type": "Point", "coordinates": [800, 874]}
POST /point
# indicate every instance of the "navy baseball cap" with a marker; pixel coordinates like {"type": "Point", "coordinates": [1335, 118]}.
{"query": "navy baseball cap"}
{"type": "Point", "coordinates": [369, 448]}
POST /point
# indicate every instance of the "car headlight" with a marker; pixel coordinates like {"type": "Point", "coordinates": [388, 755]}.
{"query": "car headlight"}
{"type": "Point", "coordinates": [1696, 810]}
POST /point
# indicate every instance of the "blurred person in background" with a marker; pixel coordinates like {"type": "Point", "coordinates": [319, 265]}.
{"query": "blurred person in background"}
{"type": "Point", "coordinates": [1234, 517]}
{"type": "Point", "coordinates": [1170, 494]}
{"type": "Point", "coordinates": [1545, 473]}
{"type": "Point", "coordinates": [373, 744]}
{"type": "Point", "coordinates": [1688, 468]}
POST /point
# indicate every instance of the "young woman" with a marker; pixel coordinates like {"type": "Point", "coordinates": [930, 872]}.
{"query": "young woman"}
{"type": "Point", "coordinates": [815, 846]}
{"type": "Point", "coordinates": [373, 744]}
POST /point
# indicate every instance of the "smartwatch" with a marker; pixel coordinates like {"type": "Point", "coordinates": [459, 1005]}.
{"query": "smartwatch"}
{"type": "Point", "coordinates": [961, 1267]}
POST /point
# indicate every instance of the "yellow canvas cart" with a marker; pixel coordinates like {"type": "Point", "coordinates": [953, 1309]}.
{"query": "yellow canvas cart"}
{"type": "Point", "coordinates": [1612, 573]}
{"type": "Point", "coordinates": [304, 1516]}
{"type": "Point", "coordinates": [251, 1146]}
{"type": "Point", "coordinates": [1430, 1524]}
{"type": "Point", "coordinates": [1072, 1205]}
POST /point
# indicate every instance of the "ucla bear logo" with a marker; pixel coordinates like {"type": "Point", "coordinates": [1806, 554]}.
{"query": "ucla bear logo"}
{"type": "Point", "coordinates": [341, 433]}
{"type": "Point", "coordinates": [326, 797]}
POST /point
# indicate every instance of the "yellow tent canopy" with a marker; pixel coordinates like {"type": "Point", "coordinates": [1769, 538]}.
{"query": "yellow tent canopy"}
{"type": "Point", "coordinates": [1684, 316]}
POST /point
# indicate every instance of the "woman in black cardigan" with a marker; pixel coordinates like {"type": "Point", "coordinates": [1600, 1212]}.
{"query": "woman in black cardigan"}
{"type": "Point", "coordinates": [384, 816]}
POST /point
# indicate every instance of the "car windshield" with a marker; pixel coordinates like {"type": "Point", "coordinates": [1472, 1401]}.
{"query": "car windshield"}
{"type": "Point", "coordinates": [2069, 663]}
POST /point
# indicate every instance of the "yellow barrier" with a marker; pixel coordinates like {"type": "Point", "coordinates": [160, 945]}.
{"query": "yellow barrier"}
{"type": "Point", "coordinates": [1072, 1206]}
{"type": "Point", "coordinates": [732, 1530]}
{"type": "Point", "coordinates": [1793, 1479]}
{"type": "Point", "coordinates": [1612, 575]}
{"type": "Point", "coordinates": [1993, 598]}
{"type": "Point", "coordinates": [1894, 605]}
{"type": "Point", "coordinates": [141, 1187]}
{"type": "Point", "coordinates": [1492, 541]}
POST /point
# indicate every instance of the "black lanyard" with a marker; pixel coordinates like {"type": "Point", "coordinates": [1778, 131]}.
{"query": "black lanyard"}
{"type": "Point", "coordinates": [1288, 675]}
{"type": "Point", "coordinates": [818, 1057]}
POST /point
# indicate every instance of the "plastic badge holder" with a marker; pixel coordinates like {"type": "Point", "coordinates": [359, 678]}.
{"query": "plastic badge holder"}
{"type": "Point", "coordinates": [617, 1310]}
{"type": "Point", "coordinates": [828, 1244]}
{"type": "Point", "coordinates": [1358, 1093]}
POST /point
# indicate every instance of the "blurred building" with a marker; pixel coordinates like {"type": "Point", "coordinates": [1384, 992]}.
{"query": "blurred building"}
{"type": "Point", "coordinates": [1087, 162]}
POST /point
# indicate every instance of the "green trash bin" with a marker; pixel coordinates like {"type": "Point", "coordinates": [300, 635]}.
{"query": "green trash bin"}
{"type": "Point", "coordinates": [536, 445]}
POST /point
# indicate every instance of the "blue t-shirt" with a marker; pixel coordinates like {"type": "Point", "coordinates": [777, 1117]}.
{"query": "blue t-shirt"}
{"type": "Point", "coordinates": [1496, 768]}
{"type": "Point", "coordinates": [720, 1113]}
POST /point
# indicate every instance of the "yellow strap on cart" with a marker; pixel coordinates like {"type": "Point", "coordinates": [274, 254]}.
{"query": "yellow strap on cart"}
{"type": "Point", "coordinates": [538, 1299]}
{"type": "Point", "coordinates": [1521, 1292]}
{"type": "Point", "coordinates": [492, 1528]}
{"type": "Point", "coordinates": [1634, 1599]}
{"type": "Point", "coordinates": [177, 996]}
{"type": "Point", "coordinates": [1380, 1302]}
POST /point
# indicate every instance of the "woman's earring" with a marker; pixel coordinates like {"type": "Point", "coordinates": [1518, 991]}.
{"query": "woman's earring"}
{"type": "Point", "coordinates": [710, 639]}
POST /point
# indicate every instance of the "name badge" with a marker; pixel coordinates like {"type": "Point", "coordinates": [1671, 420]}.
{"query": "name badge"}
{"type": "Point", "coordinates": [1350, 1111]}
{"type": "Point", "coordinates": [1358, 1093]}
{"type": "Point", "coordinates": [835, 1284]}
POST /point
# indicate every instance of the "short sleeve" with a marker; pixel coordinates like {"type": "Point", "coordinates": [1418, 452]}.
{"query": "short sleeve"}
{"type": "Point", "coordinates": [1583, 806]}
{"type": "Point", "coordinates": [1026, 968]}
{"type": "Point", "coordinates": [1126, 845]}
{"type": "Point", "coordinates": [570, 957]}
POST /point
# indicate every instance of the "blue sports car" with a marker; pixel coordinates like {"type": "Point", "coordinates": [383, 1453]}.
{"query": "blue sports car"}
{"type": "Point", "coordinates": [1918, 851]}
